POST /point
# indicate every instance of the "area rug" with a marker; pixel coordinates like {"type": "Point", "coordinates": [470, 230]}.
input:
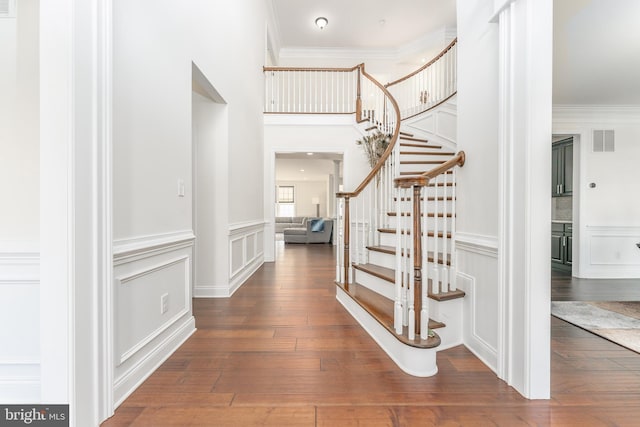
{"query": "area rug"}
{"type": "Point", "coordinates": [616, 321]}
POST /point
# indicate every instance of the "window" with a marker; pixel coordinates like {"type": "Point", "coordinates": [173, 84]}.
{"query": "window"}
{"type": "Point", "coordinates": [285, 203]}
{"type": "Point", "coordinates": [285, 194]}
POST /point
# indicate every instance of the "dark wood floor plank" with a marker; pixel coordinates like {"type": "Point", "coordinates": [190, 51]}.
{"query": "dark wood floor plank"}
{"type": "Point", "coordinates": [283, 352]}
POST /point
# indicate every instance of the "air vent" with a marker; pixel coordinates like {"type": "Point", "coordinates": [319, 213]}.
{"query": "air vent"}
{"type": "Point", "coordinates": [603, 141]}
{"type": "Point", "coordinates": [7, 8]}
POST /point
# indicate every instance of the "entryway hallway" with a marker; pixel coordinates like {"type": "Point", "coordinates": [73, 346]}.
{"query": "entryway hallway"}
{"type": "Point", "coordinates": [283, 352]}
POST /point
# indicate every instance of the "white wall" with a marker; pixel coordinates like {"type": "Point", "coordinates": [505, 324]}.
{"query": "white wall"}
{"type": "Point", "coordinates": [302, 133]}
{"type": "Point", "coordinates": [477, 190]}
{"type": "Point", "coordinates": [19, 216]}
{"type": "Point", "coordinates": [19, 124]}
{"type": "Point", "coordinates": [154, 48]}
{"type": "Point", "coordinates": [606, 218]}
{"type": "Point", "coordinates": [304, 191]}
{"type": "Point", "coordinates": [386, 65]}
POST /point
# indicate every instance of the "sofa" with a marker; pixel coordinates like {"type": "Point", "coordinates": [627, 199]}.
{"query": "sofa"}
{"type": "Point", "coordinates": [283, 222]}
{"type": "Point", "coordinates": [316, 230]}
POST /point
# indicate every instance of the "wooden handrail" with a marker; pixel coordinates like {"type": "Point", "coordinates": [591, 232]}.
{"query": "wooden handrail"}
{"type": "Point", "coordinates": [423, 179]}
{"type": "Point", "coordinates": [337, 70]}
{"type": "Point", "coordinates": [392, 143]}
{"type": "Point", "coordinates": [438, 56]}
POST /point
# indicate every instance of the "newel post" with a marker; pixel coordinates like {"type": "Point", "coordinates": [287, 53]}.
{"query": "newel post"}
{"type": "Point", "coordinates": [358, 98]}
{"type": "Point", "coordinates": [417, 257]}
{"type": "Point", "coordinates": [346, 238]}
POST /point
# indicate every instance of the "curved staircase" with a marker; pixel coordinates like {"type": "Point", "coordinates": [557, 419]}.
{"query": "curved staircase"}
{"type": "Point", "coordinates": [395, 271]}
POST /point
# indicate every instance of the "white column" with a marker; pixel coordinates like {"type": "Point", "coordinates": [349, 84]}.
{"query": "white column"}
{"type": "Point", "coordinates": [525, 55]}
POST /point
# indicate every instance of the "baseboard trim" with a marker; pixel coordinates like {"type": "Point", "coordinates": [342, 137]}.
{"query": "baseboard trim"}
{"type": "Point", "coordinates": [134, 377]}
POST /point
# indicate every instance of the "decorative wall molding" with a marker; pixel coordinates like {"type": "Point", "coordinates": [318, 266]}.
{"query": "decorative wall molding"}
{"type": "Point", "coordinates": [132, 277]}
{"type": "Point", "coordinates": [612, 252]}
{"type": "Point", "coordinates": [17, 267]}
{"type": "Point", "coordinates": [138, 373]}
{"type": "Point", "coordinates": [478, 244]}
{"type": "Point", "coordinates": [246, 255]}
{"type": "Point", "coordinates": [473, 340]}
{"type": "Point", "coordinates": [19, 275]}
{"type": "Point", "coordinates": [19, 381]}
{"type": "Point", "coordinates": [438, 124]}
{"type": "Point", "coordinates": [588, 114]}
{"type": "Point", "coordinates": [151, 266]}
{"type": "Point", "coordinates": [245, 245]}
{"type": "Point", "coordinates": [128, 250]}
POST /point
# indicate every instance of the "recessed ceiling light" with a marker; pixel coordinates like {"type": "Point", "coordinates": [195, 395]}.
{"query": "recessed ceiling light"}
{"type": "Point", "coordinates": [322, 22]}
{"type": "Point", "coordinates": [423, 60]}
{"type": "Point", "coordinates": [301, 170]}
{"type": "Point", "coordinates": [382, 22]}
{"type": "Point", "coordinates": [309, 154]}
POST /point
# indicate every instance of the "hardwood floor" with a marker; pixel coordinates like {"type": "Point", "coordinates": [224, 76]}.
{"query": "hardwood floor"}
{"type": "Point", "coordinates": [283, 352]}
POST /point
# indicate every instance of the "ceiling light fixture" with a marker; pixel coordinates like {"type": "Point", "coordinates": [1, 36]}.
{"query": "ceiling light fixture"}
{"type": "Point", "coordinates": [309, 154]}
{"type": "Point", "coordinates": [322, 22]}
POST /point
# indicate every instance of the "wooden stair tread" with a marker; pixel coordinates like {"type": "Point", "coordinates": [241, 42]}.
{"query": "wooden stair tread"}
{"type": "Point", "coordinates": [381, 309]}
{"type": "Point", "coordinates": [429, 199]}
{"type": "Point", "coordinates": [370, 128]}
{"type": "Point", "coordinates": [422, 162]}
{"type": "Point", "coordinates": [418, 173]}
{"type": "Point", "coordinates": [389, 275]}
{"type": "Point", "coordinates": [383, 273]}
{"type": "Point", "coordinates": [411, 138]}
{"type": "Point", "coordinates": [392, 251]}
{"type": "Point", "coordinates": [429, 234]}
{"type": "Point", "coordinates": [421, 172]}
{"type": "Point", "coordinates": [410, 144]}
{"type": "Point", "coordinates": [447, 296]}
{"type": "Point", "coordinates": [427, 153]}
{"type": "Point", "coordinates": [405, 134]}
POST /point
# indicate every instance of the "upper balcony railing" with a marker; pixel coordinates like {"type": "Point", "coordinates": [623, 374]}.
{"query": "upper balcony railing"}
{"type": "Point", "coordinates": [311, 90]}
{"type": "Point", "coordinates": [296, 90]}
{"type": "Point", "coordinates": [429, 86]}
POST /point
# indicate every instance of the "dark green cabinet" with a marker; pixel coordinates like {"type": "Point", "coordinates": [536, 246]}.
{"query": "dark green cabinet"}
{"type": "Point", "coordinates": [561, 241]}
{"type": "Point", "coordinates": [562, 168]}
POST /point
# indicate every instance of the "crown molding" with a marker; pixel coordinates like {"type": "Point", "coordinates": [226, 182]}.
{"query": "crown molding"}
{"type": "Point", "coordinates": [596, 113]}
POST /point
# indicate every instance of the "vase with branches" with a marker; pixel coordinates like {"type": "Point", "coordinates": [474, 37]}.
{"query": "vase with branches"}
{"type": "Point", "coordinates": [374, 146]}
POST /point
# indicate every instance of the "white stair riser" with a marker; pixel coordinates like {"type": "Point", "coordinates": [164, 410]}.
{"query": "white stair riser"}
{"type": "Point", "coordinates": [407, 206]}
{"type": "Point", "coordinates": [431, 222]}
{"type": "Point", "coordinates": [389, 239]}
{"type": "Point", "coordinates": [382, 259]}
{"type": "Point", "coordinates": [375, 284]}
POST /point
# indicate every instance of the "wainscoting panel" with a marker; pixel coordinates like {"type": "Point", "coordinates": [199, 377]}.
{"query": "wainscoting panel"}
{"type": "Point", "coordinates": [612, 252]}
{"type": "Point", "coordinates": [438, 125]}
{"type": "Point", "coordinates": [152, 305]}
{"type": "Point", "coordinates": [246, 252]}
{"type": "Point", "coordinates": [477, 261]}
{"type": "Point", "coordinates": [20, 334]}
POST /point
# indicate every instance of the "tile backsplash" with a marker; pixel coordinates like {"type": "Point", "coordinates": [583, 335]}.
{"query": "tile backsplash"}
{"type": "Point", "coordinates": [562, 208]}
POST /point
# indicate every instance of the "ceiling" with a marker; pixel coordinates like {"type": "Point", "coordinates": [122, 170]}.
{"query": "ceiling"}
{"type": "Point", "coordinates": [596, 50]}
{"type": "Point", "coordinates": [359, 24]}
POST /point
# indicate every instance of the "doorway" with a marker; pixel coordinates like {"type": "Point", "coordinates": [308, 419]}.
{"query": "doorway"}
{"type": "Point", "coordinates": [305, 184]}
{"type": "Point", "coordinates": [209, 127]}
{"type": "Point", "coordinates": [564, 204]}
